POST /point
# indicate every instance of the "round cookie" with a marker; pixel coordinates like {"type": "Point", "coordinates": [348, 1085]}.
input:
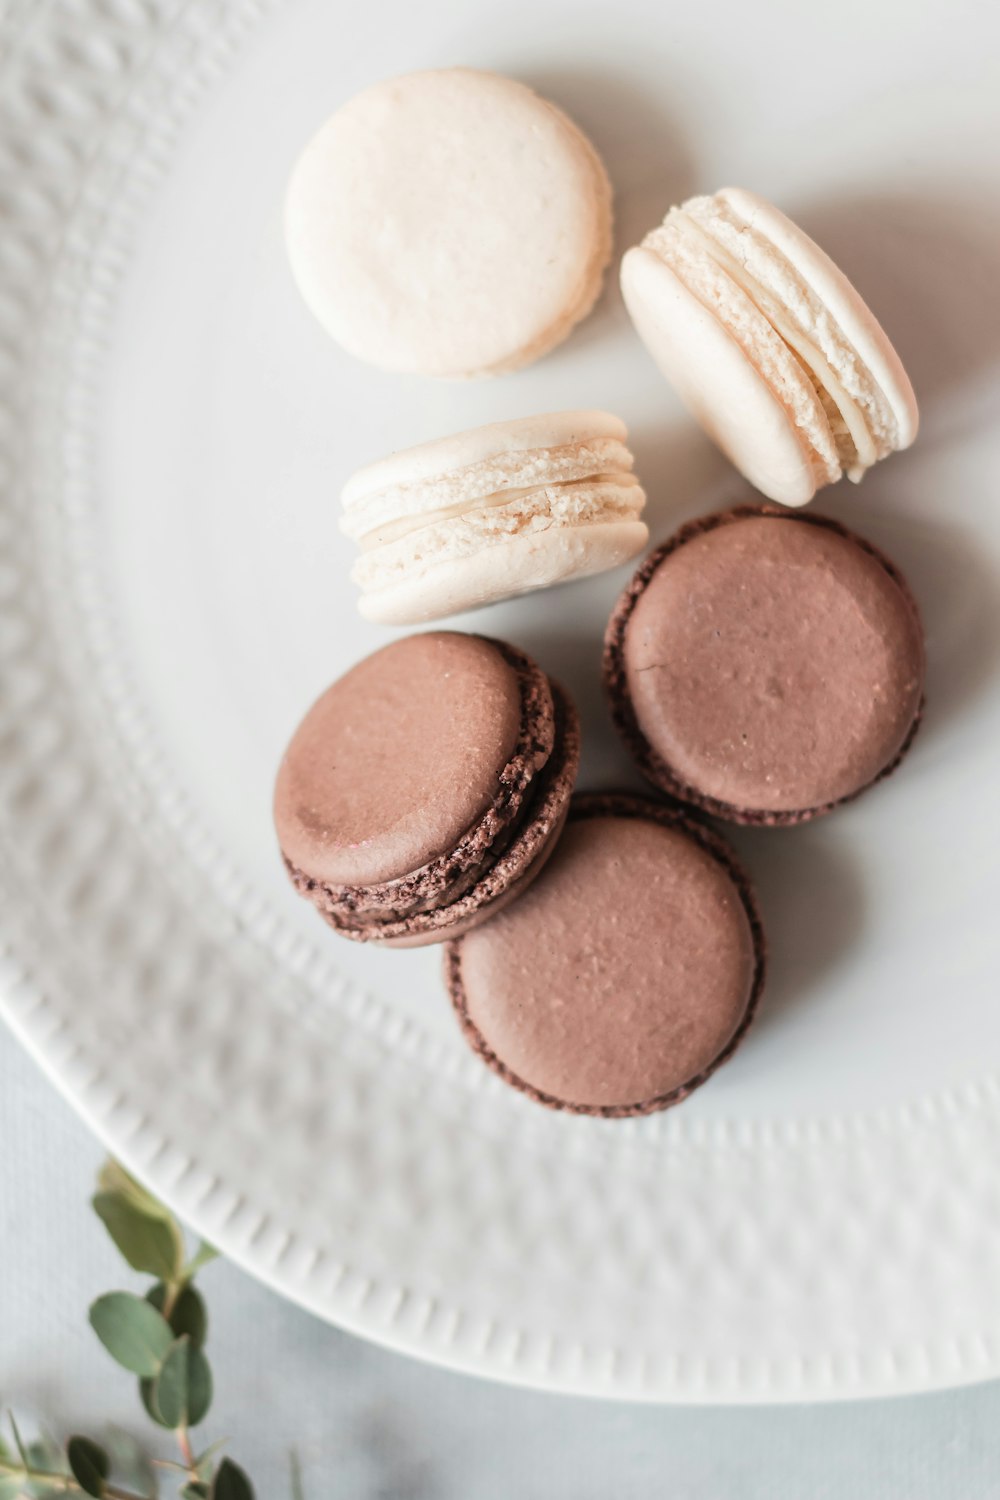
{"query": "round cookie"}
{"type": "Point", "coordinates": [768, 344]}
{"type": "Point", "coordinates": [626, 975]}
{"type": "Point", "coordinates": [499, 510]}
{"type": "Point", "coordinates": [765, 665]}
{"type": "Point", "coordinates": [426, 787]}
{"type": "Point", "coordinates": [449, 223]}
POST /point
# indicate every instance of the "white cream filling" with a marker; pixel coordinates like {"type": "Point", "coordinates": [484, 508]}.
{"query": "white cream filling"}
{"type": "Point", "coordinates": [394, 531]}
{"type": "Point", "coordinates": [860, 451]}
{"type": "Point", "coordinates": [582, 503]}
{"type": "Point", "coordinates": [506, 472]}
{"type": "Point", "coordinates": [687, 257]}
{"type": "Point", "coordinates": [862, 416]}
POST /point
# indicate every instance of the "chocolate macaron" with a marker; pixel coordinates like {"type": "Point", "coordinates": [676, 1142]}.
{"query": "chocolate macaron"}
{"type": "Point", "coordinates": [766, 666]}
{"type": "Point", "coordinates": [627, 974]}
{"type": "Point", "coordinates": [426, 787]}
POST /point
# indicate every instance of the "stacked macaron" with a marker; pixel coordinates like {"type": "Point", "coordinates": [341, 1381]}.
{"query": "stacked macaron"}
{"type": "Point", "coordinates": [769, 345]}
{"type": "Point", "coordinates": [764, 666]}
{"type": "Point", "coordinates": [426, 787]}
{"type": "Point", "coordinates": [491, 513]}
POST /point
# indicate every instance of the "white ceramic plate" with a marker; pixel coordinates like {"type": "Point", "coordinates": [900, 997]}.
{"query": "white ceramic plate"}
{"type": "Point", "coordinates": [823, 1219]}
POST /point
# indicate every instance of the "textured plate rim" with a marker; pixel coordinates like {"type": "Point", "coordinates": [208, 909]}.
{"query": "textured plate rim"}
{"type": "Point", "coordinates": [115, 34]}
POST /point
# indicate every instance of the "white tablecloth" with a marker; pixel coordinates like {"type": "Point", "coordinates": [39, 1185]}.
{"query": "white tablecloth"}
{"type": "Point", "coordinates": [368, 1425]}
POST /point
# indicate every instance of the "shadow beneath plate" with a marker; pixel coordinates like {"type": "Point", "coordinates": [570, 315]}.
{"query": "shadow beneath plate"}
{"type": "Point", "coordinates": [812, 904]}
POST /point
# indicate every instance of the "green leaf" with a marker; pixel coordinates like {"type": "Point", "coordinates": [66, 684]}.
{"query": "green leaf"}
{"type": "Point", "coordinates": [206, 1253]}
{"type": "Point", "coordinates": [182, 1392]}
{"type": "Point", "coordinates": [196, 1490]}
{"type": "Point", "coordinates": [188, 1314]}
{"type": "Point", "coordinates": [230, 1483]}
{"type": "Point", "coordinates": [147, 1395]}
{"type": "Point", "coordinates": [199, 1386]}
{"type": "Point", "coordinates": [170, 1389]}
{"type": "Point", "coordinates": [133, 1333]}
{"type": "Point", "coordinates": [89, 1465]}
{"type": "Point", "coordinates": [113, 1178]}
{"type": "Point", "coordinates": [157, 1296]}
{"type": "Point", "coordinates": [147, 1243]}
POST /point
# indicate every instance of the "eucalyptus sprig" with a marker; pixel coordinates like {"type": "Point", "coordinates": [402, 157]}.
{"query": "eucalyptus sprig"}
{"type": "Point", "coordinates": [161, 1339]}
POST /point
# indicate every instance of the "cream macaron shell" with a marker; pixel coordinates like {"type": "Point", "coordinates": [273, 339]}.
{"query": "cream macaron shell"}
{"type": "Point", "coordinates": [769, 345]}
{"type": "Point", "coordinates": [494, 512]}
{"type": "Point", "coordinates": [449, 223]}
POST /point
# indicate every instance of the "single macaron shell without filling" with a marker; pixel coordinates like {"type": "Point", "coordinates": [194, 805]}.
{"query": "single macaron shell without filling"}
{"type": "Point", "coordinates": [425, 787]}
{"type": "Point", "coordinates": [449, 223]}
{"type": "Point", "coordinates": [493, 512]}
{"type": "Point", "coordinates": [626, 975]}
{"type": "Point", "coordinates": [768, 344]}
{"type": "Point", "coordinates": [765, 665]}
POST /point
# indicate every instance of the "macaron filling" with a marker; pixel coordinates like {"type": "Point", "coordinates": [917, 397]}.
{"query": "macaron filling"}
{"type": "Point", "coordinates": [806, 323]}
{"type": "Point", "coordinates": [367, 511]}
{"type": "Point", "coordinates": [481, 870]}
{"type": "Point", "coordinates": [424, 785]}
{"type": "Point", "coordinates": [492, 512]}
{"type": "Point", "coordinates": [463, 532]}
{"type": "Point", "coordinates": [717, 252]}
{"type": "Point", "coordinates": [763, 347]}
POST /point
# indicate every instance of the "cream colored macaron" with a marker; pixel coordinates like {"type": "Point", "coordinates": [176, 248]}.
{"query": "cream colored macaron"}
{"type": "Point", "coordinates": [449, 223]}
{"type": "Point", "coordinates": [493, 512]}
{"type": "Point", "coordinates": [768, 344]}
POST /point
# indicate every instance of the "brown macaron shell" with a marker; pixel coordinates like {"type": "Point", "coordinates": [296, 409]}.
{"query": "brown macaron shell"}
{"type": "Point", "coordinates": [628, 973]}
{"type": "Point", "coordinates": [506, 867]}
{"type": "Point", "coordinates": [821, 665]}
{"type": "Point", "coordinates": [409, 794]}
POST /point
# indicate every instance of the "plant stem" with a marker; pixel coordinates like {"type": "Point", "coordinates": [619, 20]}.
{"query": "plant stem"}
{"type": "Point", "coordinates": [174, 1289]}
{"type": "Point", "coordinates": [65, 1481]}
{"type": "Point", "coordinates": [187, 1452]}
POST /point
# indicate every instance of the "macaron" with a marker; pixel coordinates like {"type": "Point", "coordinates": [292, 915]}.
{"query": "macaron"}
{"type": "Point", "coordinates": [768, 344]}
{"type": "Point", "coordinates": [626, 975]}
{"type": "Point", "coordinates": [497, 511]}
{"type": "Point", "coordinates": [426, 787]}
{"type": "Point", "coordinates": [449, 223]}
{"type": "Point", "coordinates": [766, 665]}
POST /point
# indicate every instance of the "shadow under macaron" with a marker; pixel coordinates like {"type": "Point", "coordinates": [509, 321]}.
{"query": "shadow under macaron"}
{"type": "Point", "coordinates": [954, 581]}
{"type": "Point", "coordinates": [812, 901]}
{"type": "Point", "coordinates": [648, 156]}
{"type": "Point", "coordinates": [928, 264]}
